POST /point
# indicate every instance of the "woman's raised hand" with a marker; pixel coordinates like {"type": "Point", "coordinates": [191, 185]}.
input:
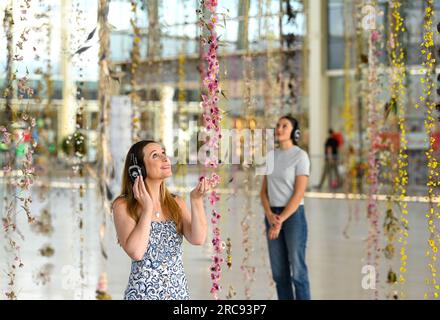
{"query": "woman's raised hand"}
{"type": "Point", "coordinates": [200, 190]}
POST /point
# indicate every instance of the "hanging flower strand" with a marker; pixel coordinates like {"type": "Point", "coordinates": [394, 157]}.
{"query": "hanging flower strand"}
{"type": "Point", "coordinates": [25, 146]}
{"type": "Point", "coordinates": [425, 99]}
{"type": "Point", "coordinates": [400, 181]}
{"type": "Point", "coordinates": [135, 61]}
{"type": "Point", "coordinates": [211, 121]}
{"type": "Point", "coordinates": [374, 37]}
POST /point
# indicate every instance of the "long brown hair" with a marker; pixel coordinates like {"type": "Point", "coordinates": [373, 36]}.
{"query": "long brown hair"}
{"type": "Point", "coordinates": [167, 200]}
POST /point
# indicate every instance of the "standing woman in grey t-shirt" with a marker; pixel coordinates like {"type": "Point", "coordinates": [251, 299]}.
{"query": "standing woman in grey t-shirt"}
{"type": "Point", "coordinates": [282, 196]}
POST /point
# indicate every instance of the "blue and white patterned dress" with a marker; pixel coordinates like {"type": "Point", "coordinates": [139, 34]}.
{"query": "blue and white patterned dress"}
{"type": "Point", "coordinates": [160, 274]}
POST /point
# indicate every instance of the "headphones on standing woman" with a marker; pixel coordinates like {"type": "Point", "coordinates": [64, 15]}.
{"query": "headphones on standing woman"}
{"type": "Point", "coordinates": [296, 132]}
{"type": "Point", "coordinates": [135, 169]}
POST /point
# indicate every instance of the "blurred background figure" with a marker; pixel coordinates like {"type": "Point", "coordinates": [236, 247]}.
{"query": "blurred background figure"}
{"type": "Point", "coordinates": [331, 153]}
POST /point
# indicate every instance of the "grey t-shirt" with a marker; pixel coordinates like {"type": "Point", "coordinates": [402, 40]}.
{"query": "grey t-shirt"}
{"type": "Point", "coordinates": [287, 164]}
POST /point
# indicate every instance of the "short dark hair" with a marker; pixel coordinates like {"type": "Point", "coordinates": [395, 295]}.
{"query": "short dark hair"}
{"type": "Point", "coordinates": [330, 131]}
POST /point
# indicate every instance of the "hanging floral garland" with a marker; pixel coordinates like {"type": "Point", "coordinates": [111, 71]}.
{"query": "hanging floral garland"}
{"type": "Point", "coordinates": [348, 112]}
{"type": "Point", "coordinates": [8, 93]}
{"type": "Point", "coordinates": [293, 79]}
{"type": "Point", "coordinates": [182, 115]}
{"type": "Point", "coordinates": [270, 109]}
{"type": "Point", "coordinates": [387, 161]}
{"type": "Point", "coordinates": [373, 249]}
{"type": "Point", "coordinates": [43, 223]}
{"type": "Point", "coordinates": [393, 225]}
{"type": "Point", "coordinates": [211, 121]}
{"type": "Point", "coordinates": [154, 66]}
{"type": "Point", "coordinates": [104, 161]}
{"type": "Point", "coordinates": [360, 83]}
{"type": "Point", "coordinates": [429, 61]}
{"type": "Point", "coordinates": [135, 62]}
{"type": "Point", "coordinates": [181, 93]}
{"type": "Point", "coordinates": [10, 206]}
{"type": "Point", "coordinates": [350, 185]}
{"type": "Point", "coordinates": [23, 157]}
{"type": "Point", "coordinates": [78, 140]}
{"type": "Point", "coordinates": [246, 265]}
{"type": "Point", "coordinates": [272, 92]}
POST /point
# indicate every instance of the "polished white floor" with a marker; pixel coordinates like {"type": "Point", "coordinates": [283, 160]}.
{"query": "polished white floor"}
{"type": "Point", "coordinates": [335, 261]}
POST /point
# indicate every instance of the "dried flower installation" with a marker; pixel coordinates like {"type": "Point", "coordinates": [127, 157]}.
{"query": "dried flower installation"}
{"type": "Point", "coordinates": [211, 117]}
{"type": "Point", "coordinates": [426, 100]}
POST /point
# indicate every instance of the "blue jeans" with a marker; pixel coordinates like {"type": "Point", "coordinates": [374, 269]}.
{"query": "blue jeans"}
{"type": "Point", "coordinates": [287, 256]}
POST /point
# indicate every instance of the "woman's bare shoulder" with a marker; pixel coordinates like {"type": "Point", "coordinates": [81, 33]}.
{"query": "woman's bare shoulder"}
{"type": "Point", "coordinates": [119, 203]}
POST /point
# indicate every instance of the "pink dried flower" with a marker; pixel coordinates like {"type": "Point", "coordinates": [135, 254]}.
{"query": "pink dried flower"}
{"type": "Point", "coordinates": [375, 35]}
{"type": "Point", "coordinates": [214, 198]}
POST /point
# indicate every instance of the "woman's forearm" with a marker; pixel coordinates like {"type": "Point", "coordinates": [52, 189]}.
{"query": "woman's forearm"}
{"type": "Point", "coordinates": [199, 224]}
{"type": "Point", "coordinates": [265, 203]}
{"type": "Point", "coordinates": [291, 206]}
{"type": "Point", "coordinates": [295, 200]}
{"type": "Point", "coordinates": [137, 242]}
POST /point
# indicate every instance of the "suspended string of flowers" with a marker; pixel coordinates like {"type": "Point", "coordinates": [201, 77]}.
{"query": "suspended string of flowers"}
{"type": "Point", "coordinates": [246, 265]}
{"type": "Point", "coordinates": [104, 161]}
{"type": "Point", "coordinates": [388, 151]}
{"type": "Point", "coordinates": [282, 62]}
{"type": "Point", "coordinates": [228, 172]}
{"type": "Point", "coordinates": [135, 61]}
{"type": "Point", "coordinates": [17, 186]}
{"type": "Point", "coordinates": [305, 66]}
{"type": "Point", "coordinates": [8, 93]}
{"type": "Point", "coordinates": [154, 66]}
{"type": "Point", "coordinates": [348, 112]}
{"type": "Point", "coordinates": [426, 100]}
{"type": "Point", "coordinates": [273, 92]}
{"type": "Point", "coordinates": [373, 249]}
{"type": "Point", "coordinates": [400, 180]}
{"type": "Point", "coordinates": [48, 61]}
{"type": "Point", "coordinates": [230, 262]}
{"type": "Point", "coordinates": [270, 110]}
{"type": "Point", "coordinates": [350, 184]}
{"type": "Point", "coordinates": [78, 140]}
{"type": "Point", "coordinates": [231, 291]}
{"type": "Point", "coordinates": [360, 84]}
{"type": "Point", "coordinates": [43, 223]}
{"type": "Point", "coordinates": [181, 95]}
{"type": "Point", "coordinates": [293, 79]}
{"type": "Point", "coordinates": [211, 121]}
{"type": "Point", "coordinates": [10, 205]}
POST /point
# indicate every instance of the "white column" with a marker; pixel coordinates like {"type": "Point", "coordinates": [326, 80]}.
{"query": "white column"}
{"type": "Point", "coordinates": [318, 86]}
{"type": "Point", "coordinates": [166, 117]}
{"type": "Point", "coordinates": [66, 116]}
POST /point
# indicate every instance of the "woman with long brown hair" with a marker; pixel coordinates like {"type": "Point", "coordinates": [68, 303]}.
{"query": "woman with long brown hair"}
{"type": "Point", "coordinates": [151, 222]}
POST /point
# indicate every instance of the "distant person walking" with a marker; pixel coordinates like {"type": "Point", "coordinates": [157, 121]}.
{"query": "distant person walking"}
{"type": "Point", "coordinates": [331, 162]}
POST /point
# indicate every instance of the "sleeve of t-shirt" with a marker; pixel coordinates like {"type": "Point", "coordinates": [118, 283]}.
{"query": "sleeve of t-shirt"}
{"type": "Point", "coordinates": [303, 166]}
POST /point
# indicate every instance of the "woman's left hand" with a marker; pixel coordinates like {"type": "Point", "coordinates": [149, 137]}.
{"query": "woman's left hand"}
{"type": "Point", "coordinates": [200, 190]}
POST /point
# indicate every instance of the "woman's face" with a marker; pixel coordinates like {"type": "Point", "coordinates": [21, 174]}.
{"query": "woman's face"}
{"type": "Point", "coordinates": [156, 162]}
{"type": "Point", "coordinates": [283, 130]}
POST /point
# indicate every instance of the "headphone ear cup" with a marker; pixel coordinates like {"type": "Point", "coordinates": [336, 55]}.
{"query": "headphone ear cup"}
{"type": "Point", "coordinates": [297, 135]}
